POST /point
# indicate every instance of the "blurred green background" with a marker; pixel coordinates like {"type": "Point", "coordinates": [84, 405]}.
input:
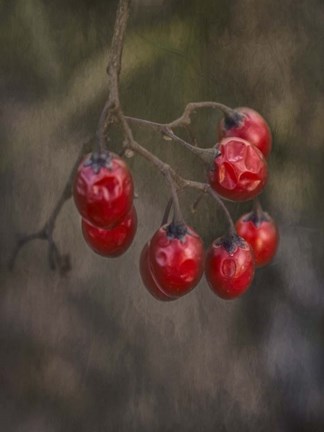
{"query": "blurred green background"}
{"type": "Point", "coordinates": [93, 351]}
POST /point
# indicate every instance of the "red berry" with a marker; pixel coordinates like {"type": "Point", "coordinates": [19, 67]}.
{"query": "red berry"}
{"type": "Point", "coordinates": [103, 189]}
{"type": "Point", "coordinates": [111, 242]}
{"type": "Point", "coordinates": [176, 256]}
{"type": "Point", "coordinates": [148, 280]}
{"type": "Point", "coordinates": [247, 124]}
{"type": "Point", "coordinates": [239, 171]}
{"type": "Point", "coordinates": [229, 266]}
{"type": "Point", "coordinates": [261, 232]}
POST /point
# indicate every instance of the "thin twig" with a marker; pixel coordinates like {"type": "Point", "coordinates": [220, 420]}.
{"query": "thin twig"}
{"type": "Point", "coordinates": [178, 217]}
{"type": "Point", "coordinates": [206, 155]}
{"type": "Point", "coordinates": [112, 105]}
{"type": "Point", "coordinates": [167, 212]}
{"type": "Point", "coordinates": [192, 138]}
{"type": "Point", "coordinates": [102, 124]}
{"type": "Point", "coordinates": [232, 229]}
{"type": "Point", "coordinates": [257, 208]}
{"type": "Point", "coordinates": [197, 202]}
{"type": "Point", "coordinates": [185, 118]}
{"type": "Point", "coordinates": [56, 259]}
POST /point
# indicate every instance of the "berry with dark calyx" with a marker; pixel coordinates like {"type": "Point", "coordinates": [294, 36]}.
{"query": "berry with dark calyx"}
{"type": "Point", "coordinates": [229, 266]}
{"type": "Point", "coordinates": [247, 124]}
{"type": "Point", "coordinates": [103, 189]}
{"type": "Point", "coordinates": [239, 171]}
{"type": "Point", "coordinates": [176, 259]}
{"type": "Point", "coordinates": [261, 232]}
{"type": "Point", "coordinates": [111, 242]}
{"type": "Point", "coordinates": [148, 280]}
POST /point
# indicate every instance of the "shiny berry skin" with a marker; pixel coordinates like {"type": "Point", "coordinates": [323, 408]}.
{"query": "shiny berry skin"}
{"type": "Point", "coordinates": [176, 259]}
{"type": "Point", "coordinates": [229, 266]}
{"type": "Point", "coordinates": [261, 232]}
{"type": "Point", "coordinates": [239, 171]}
{"type": "Point", "coordinates": [148, 280]}
{"type": "Point", "coordinates": [111, 242]}
{"type": "Point", "coordinates": [249, 125]}
{"type": "Point", "coordinates": [103, 189]}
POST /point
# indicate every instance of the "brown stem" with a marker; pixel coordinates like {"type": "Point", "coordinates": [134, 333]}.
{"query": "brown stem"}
{"type": "Point", "coordinates": [100, 143]}
{"type": "Point", "coordinates": [192, 138]}
{"type": "Point", "coordinates": [232, 229]}
{"type": "Point", "coordinates": [178, 217]}
{"type": "Point", "coordinates": [154, 125]}
{"type": "Point", "coordinates": [167, 212]}
{"type": "Point", "coordinates": [111, 110]}
{"type": "Point", "coordinates": [197, 202]}
{"type": "Point", "coordinates": [185, 118]}
{"type": "Point", "coordinates": [206, 155]}
{"type": "Point", "coordinates": [257, 208]}
{"type": "Point", "coordinates": [116, 49]}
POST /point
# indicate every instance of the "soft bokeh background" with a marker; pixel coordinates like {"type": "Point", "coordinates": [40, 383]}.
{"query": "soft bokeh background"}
{"type": "Point", "coordinates": [93, 351]}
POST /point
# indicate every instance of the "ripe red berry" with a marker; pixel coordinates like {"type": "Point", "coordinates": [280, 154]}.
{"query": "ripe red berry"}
{"type": "Point", "coordinates": [111, 242]}
{"type": "Point", "coordinates": [261, 232]}
{"type": "Point", "coordinates": [229, 266]}
{"type": "Point", "coordinates": [148, 280]}
{"type": "Point", "coordinates": [247, 124]}
{"type": "Point", "coordinates": [176, 256]}
{"type": "Point", "coordinates": [103, 189]}
{"type": "Point", "coordinates": [239, 171]}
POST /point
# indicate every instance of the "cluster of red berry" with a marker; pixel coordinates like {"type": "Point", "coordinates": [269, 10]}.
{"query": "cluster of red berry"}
{"type": "Point", "coordinates": [103, 193]}
{"type": "Point", "coordinates": [173, 261]}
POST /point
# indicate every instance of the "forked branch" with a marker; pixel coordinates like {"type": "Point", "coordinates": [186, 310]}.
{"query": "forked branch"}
{"type": "Point", "coordinates": [113, 113]}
